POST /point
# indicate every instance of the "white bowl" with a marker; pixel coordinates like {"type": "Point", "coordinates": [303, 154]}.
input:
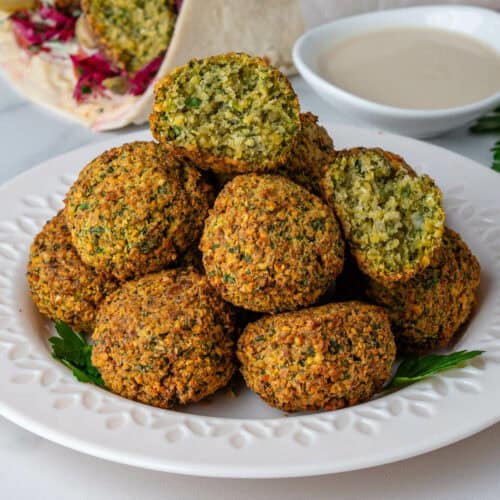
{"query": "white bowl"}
{"type": "Point", "coordinates": [481, 24]}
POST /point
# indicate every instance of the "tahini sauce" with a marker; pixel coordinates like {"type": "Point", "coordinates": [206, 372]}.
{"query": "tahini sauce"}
{"type": "Point", "coordinates": [418, 68]}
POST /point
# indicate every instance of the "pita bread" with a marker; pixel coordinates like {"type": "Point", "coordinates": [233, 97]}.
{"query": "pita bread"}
{"type": "Point", "coordinates": [203, 28]}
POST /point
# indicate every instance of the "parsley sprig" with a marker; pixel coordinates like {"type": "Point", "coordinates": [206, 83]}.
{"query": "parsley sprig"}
{"type": "Point", "coordinates": [496, 156]}
{"type": "Point", "coordinates": [490, 124]}
{"type": "Point", "coordinates": [414, 369]}
{"type": "Point", "coordinates": [71, 349]}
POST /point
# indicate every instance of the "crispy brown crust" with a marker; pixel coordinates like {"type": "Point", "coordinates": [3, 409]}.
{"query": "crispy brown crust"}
{"type": "Point", "coordinates": [428, 311]}
{"type": "Point", "coordinates": [135, 208]}
{"type": "Point", "coordinates": [269, 245]}
{"type": "Point", "coordinates": [222, 165]}
{"type": "Point", "coordinates": [165, 339]}
{"type": "Point", "coordinates": [61, 285]}
{"type": "Point", "coordinates": [217, 164]}
{"type": "Point", "coordinates": [311, 153]}
{"type": "Point", "coordinates": [326, 357]}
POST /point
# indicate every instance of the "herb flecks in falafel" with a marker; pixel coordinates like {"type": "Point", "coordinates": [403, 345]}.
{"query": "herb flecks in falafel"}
{"type": "Point", "coordinates": [231, 113]}
{"type": "Point", "coordinates": [131, 32]}
{"type": "Point", "coordinates": [135, 209]}
{"type": "Point", "coordinates": [62, 287]}
{"type": "Point", "coordinates": [165, 339]}
{"type": "Point", "coordinates": [427, 311]}
{"type": "Point", "coordinates": [322, 358]}
{"type": "Point", "coordinates": [311, 153]}
{"type": "Point", "coordinates": [393, 220]}
{"type": "Point", "coordinates": [269, 245]}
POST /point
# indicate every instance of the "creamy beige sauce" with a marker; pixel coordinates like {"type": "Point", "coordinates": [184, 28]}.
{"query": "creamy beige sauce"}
{"type": "Point", "coordinates": [418, 68]}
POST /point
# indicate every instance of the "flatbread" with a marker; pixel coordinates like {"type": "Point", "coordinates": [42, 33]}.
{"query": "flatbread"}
{"type": "Point", "coordinates": [260, 27]}
{"type": "Point", "coordinates": [203, 28]}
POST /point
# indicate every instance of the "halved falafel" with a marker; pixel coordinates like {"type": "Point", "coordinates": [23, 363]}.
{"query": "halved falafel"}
{"type": "Point", "coordinates": [230, 113]}
{"type": "Point", "coordinates": [393, 220]}
{"type": "Point", "coordinates": [131, 32]}
{"type": "Point", "coordinates": [61, 285]}
{"type": "Point", "coordinates": [326, 357]}
{"type": "Point", "coordinates": [164, 339]}
{"type": "Point", "coordinates": [427, 311]}
{"type": "Point", "coordinates": [269, 245]}
{"type": "Point", "coordinates": [135, 209]}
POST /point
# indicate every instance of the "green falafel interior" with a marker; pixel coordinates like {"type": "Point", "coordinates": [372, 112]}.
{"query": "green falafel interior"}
{"type": "Point", "coordinates": [131, 32]}
{"type": "Point", "coordinates": [231, 112]}
{"type": "Point", "coordinates": [393, 219]}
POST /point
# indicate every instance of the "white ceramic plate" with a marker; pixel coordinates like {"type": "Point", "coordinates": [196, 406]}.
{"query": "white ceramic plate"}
{"type": "Point", "coordinates": [242, 437]}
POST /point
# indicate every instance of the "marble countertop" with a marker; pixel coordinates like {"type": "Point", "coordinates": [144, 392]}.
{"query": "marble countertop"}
{"type": "Point", "coordinates": [33, 468]}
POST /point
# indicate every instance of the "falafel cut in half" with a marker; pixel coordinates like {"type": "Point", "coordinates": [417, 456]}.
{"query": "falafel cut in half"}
{"type": "Point", "coordinates": [165, 339]}
{"type": "Point", "coordinates": [135, 208]}
{"type": "Point", "coordinates": [131, 32]}
{"type": "Point", "coordinates": [311, 153]}
{"type": "Point", "coordinates": [428, 311]}
{"type": "Point", "coordinates": [393, 220]}
{"type": "Point", "coordinates": [230, 113]}
{"type": "Point", "coordinates": [323, 358]}
{"type": "Point", "coordinates": [63, 288]}
{"type": "Point", "coordinates": [269, 245]}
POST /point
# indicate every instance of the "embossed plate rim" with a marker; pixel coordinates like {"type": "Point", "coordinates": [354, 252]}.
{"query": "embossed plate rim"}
{"type": "Point", "coordinates": [47, 401]}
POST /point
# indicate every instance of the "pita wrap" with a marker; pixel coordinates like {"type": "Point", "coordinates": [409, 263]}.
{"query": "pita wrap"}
{"type": "Point", "coordinates": [203, 28]}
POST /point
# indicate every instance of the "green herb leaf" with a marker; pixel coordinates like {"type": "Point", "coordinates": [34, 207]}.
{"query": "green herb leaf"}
{"type": "Point", "coordinates": [192, 102]}
{"type": "Point", "coordinates": [414, 369]}
{"type": "Point", "coordinates": [174, 132]}
{"type": "Point", "coordinates": [496, 157]}
{"type": "Point", "coordinates": [69, 345]}
{"type": "Point", "coordinates": [74, 352]}
{"type": "Point", "coordinates": [318, 224]}
{"type": "Point", "coordinates": [227, 278]}
{"type": "Point", "coordinates": [96, 230]}
{"type": "Point", "coordinates": [487, 125]}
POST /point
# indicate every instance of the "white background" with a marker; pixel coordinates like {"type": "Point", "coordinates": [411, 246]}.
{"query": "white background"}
{"type": "Point", "coordinates": [32, 468]}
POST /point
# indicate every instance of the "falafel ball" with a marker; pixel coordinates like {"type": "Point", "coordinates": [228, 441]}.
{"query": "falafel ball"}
{"type": "Point", "coordinates": [393, 220]}
{"type": "Point", "coordinates": [323, 358]}
{"type": "Point", "coordinates": [61, 285]}
{"type": "Point", "coordinates": [164, 339]}
{"type": "Point", "coordinates": [230, 113]}
{"type": "Point", "coordinates": [269, 245]}
{"type": "Point", "coordinates": [312, 152]}
{"type": "Point", "coordinates": [131, 32]}
{"type": "Point", "coordinates": [135, 208]}
{"type": "Point", "coordinates": [427, 311]}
